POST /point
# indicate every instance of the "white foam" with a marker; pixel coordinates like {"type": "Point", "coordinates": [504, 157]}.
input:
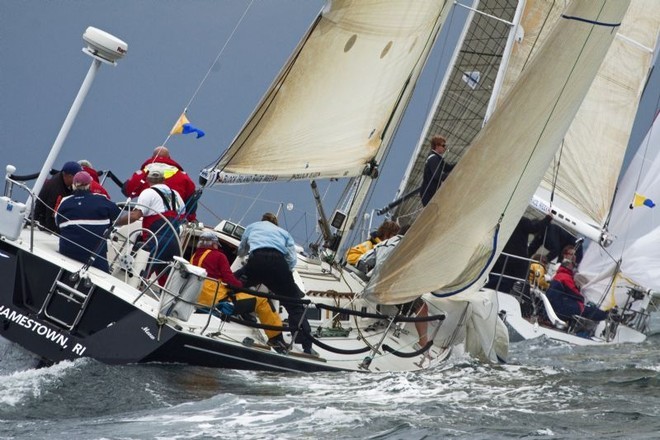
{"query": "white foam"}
{"type": "Point", "coordinates": [18, 386]}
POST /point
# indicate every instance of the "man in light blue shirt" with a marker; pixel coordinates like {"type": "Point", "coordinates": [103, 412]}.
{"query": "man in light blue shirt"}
{"type": "Point", "coordinates": [267, 235]}
{"type": "Point", "coordinates": [272, 257]}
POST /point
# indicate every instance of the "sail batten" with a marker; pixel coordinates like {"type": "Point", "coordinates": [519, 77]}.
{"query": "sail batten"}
{"type": "Point", "coordinates": [329, 111]}
{"type": "Point", "coordinates": [494, 181]}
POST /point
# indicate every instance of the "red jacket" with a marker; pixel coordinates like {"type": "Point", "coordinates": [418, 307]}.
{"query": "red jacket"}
{"type": "Point", "coordinates": [216, 265]}
{"type": "Point", "coordinates": [175, 178]}
{"type": "Point", "coordinates": [217, 268]}
{"type": "Point", "coordinates": [565, 276]}
{"type": "Point", "coordinates": [95, 187]}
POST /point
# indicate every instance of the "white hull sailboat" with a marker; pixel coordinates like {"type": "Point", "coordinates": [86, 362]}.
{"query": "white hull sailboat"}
{"type": "Point", "coordinates": [536, 24]}
{"type": "Point", "coordinates": [60, 309]}
{"type": "Point", "coordinates": [578, 191]}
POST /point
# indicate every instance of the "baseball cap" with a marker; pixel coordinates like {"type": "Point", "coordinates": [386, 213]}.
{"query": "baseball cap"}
{"type": "Point", "coordinates": [71, 168]}
{"type": "Point", "coordinates": [82, 178]}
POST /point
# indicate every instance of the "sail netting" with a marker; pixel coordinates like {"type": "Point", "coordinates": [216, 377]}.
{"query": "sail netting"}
{"type": "Point", "coordinates": [339, 96]}
{"type": "Point", "coordinates": [460, 105]}
{"type": "Point", "coordinates": [495, 179]}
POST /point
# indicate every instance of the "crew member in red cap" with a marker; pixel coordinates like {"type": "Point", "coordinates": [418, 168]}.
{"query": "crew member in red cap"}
{"type": "Point", "coordinates": [51, 194]}
{"type": "Point", "coordinates": [83, 219]}
{"type": "Point", "coordinates": [175, 178]}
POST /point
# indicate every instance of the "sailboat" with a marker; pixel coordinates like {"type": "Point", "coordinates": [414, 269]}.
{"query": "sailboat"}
{"type": "Point", "coordinates": [624, 274]}
{"type": "Point", "coordinates": [458, 112]}
{"type": "Point", "coordinates": [363, 58]}
{"type": "Point", "coordinates": [578, 190]}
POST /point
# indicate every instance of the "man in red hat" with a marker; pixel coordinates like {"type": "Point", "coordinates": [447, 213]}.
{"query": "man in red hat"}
{"type": "Point", "coordinates": [83, 219]}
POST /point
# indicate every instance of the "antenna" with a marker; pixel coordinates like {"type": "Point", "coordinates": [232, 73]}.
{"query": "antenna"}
{"type": "Point", "coordinates": [103, 48]}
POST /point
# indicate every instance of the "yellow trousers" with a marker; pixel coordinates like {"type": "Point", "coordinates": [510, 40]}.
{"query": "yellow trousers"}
{"type": "Point", "coordinates": [212, 290]}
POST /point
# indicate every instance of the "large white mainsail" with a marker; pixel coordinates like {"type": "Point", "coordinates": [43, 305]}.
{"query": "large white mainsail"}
{"type": "Point", "coordinates": [467, 223]}
{"type": "Point", "coordinates": [633, 259]}
{"type": "Point", "coordinates": [340, 96]}
{"type": "Point", "coordinates": [582, 179]}
{"type": "Point", "coordinates": [460, 105]}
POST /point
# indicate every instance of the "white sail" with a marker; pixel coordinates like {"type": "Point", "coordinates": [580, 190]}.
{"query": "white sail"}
{"type": "Point", "coordinates": [467, 223]}
{"type": "Point", "coordinates": [538, 20]}
{"type": "Point", "coordinates": [634, 258]}
{"type": "Point", "coordinates": [340, 96]}
{"type": "Point", "coordinates": [582, 179]}
{"type": "Point", "coordinates": [462, 99]}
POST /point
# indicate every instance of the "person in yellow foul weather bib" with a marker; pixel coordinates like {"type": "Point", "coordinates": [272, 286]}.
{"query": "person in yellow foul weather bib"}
{"type": "Point", "coordinates": [209, 256]}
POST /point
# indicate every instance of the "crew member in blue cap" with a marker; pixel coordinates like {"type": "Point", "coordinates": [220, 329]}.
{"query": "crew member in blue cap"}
{"type": "Point", "coordinates": [54, 189]}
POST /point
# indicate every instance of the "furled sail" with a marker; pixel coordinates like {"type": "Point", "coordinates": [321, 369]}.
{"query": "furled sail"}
{"type": "Point", "coordinates": [633, 259]}
{"type": "Point", "coordinates": [583, 176]}
{"type": "Point", "coordinates": [462, 99]}
{"type": "Point", "coordinates": [339, 96]}
{"type": "Point", "coordinates": [465, 226]}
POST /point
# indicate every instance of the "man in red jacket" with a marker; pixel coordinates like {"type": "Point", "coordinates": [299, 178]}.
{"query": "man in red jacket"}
{"type": "Point", "coordinates": [175, 178]}
{"type": "Point", "coordinates": [209, 256]}
{"type": "Point", "coordinates": [565, 296]}
{"type": "Point", "coordinates": [95, 187]}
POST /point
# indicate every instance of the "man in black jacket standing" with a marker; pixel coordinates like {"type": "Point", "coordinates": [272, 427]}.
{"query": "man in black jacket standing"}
{"type": "Point", "coordinates": [435, 169]}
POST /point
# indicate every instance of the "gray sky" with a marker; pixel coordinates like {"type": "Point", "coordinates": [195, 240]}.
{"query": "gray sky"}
{"type": "Point", "coordinates": [131, 107]}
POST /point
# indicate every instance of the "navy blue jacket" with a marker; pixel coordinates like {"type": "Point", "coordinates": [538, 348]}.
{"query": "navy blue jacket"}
{"type": "Point", "coordinates": [435, 171]}
{"type": "Point", "coordinates": [83, 218]}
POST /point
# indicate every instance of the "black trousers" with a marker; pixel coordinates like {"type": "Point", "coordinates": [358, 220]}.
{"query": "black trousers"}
{"type": "Point", "coordinates": [269, 267]}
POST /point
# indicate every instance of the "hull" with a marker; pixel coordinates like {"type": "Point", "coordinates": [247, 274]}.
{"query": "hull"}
{"type": "Point", "coordinates": [58, 316]}
{"type": "Point", "coordinates": [531, 327]}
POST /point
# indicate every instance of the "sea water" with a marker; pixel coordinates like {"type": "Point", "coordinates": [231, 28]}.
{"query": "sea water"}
{"type": "Point", "coordinates": [547, 390]}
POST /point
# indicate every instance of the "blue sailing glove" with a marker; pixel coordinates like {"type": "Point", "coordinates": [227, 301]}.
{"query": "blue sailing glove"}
{"type": "Point", "coordinates": [225, 307]}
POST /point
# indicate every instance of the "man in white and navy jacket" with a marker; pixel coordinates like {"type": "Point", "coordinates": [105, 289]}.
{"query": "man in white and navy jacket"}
{"type": "Point", "coordinates": [83, 218]}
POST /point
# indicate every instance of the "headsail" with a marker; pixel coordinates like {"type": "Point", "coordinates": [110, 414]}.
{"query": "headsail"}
{"type": "Point", "coordinates": [455, 239]}
{"type": "Point", "coordinates": [462, 99]}
{"type": "Point", "coordinates": [633, 259]}
{"type": "Point", "coordinates": [583, 175]}
{"type": "Point", "coordinates": [339, 96]}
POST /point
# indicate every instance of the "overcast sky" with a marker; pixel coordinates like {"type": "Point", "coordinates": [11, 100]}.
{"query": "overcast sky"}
{"type": "Point", "coordinates": [131, 108]}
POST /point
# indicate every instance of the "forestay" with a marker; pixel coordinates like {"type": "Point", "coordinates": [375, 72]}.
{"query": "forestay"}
{"type": "Point", "coordinates": [454, 241]}
{"type": "Point", "coordinates": [338, 99]}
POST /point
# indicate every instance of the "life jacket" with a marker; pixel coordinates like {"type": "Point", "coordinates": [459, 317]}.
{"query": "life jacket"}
{"type": "Point", "coordinates": [154, 222]}
{"type": "Point", "coordinates": [209, 287]}
{"type": "Point", "coordinates": [354, 253]}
